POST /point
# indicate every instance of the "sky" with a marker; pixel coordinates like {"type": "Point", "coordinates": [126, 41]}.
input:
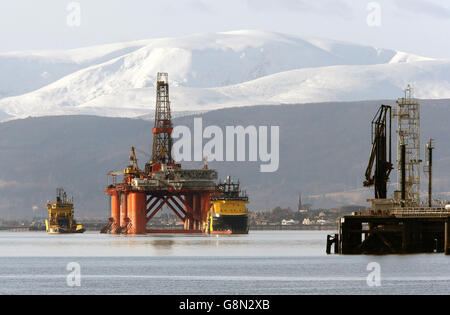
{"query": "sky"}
{"type": "Point", "coordinates": [414, 26]}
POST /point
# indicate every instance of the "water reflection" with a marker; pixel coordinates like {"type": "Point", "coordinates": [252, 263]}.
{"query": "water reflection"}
{"type": "Point", "coordinates": [256, 243]}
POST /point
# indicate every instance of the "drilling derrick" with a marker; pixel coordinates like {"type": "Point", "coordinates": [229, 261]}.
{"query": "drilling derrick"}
{"type": "Point", "coordinates": [162, 130]}
{"type": "Point", "coordinates": [142, 194]}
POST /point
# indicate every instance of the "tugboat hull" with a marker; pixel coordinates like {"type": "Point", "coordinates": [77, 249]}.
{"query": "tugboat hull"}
{"type": "Point", "coordinates": [62, 230]}
{"type": "Point", "coordinates": [229, 224]}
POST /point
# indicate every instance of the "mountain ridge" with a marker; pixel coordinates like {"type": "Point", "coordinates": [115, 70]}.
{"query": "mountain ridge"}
{"type": "Point", "coordinates": [209, 71]}
{"type": "Point", "coordinates": [42, 153]}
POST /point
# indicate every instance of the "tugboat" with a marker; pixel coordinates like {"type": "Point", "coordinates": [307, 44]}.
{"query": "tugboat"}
{"type": "Point", "coordinates": [228, 214]}
{"type": "Point", "coordinates": [61, 215]}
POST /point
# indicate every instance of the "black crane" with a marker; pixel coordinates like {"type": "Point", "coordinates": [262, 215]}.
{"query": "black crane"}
{"type": "Point", "coordinates": [381, 130]}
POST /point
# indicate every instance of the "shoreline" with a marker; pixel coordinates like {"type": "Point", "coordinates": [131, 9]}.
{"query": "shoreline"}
{"type": "Point", "coordinates": [169, 227]}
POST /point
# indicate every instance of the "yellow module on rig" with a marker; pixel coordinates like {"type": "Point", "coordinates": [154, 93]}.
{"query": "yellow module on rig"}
{"type": "Point", "coordinates": [61, 215]}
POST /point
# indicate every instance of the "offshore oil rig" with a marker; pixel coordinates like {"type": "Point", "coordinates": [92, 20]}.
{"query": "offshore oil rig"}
{"type": "Point", "coordinates": [402, 224]}
{"type": "Point", "coordinates": [143, 193]}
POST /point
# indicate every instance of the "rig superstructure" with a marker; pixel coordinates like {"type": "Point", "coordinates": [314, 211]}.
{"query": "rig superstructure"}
{"type": "Point", "coordinates": [142, 193]}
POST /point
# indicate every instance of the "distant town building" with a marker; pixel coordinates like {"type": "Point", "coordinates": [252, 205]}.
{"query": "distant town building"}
{"type": "Point", "coordinates": [289, 222]}
{"type": "Point", "coordinates": [307, 221]}
{"type": "Point", "coordinates": [321, 222]}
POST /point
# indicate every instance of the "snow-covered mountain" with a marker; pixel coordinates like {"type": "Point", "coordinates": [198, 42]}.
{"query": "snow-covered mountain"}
{"type": "Point", "coordinates": [26, 71]}
{"type": "Point", "coordinates": [209, 71]}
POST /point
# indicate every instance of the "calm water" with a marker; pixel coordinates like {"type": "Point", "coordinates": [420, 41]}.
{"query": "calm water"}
{"type": "Point", "coordinates": [263, 262]}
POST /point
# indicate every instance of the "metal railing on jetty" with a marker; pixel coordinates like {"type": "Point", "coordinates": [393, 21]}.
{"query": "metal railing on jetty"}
{"type": "Point", "coordinates": [420, 212]}
{"type": "Point", "coordinates": [407, 212]}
